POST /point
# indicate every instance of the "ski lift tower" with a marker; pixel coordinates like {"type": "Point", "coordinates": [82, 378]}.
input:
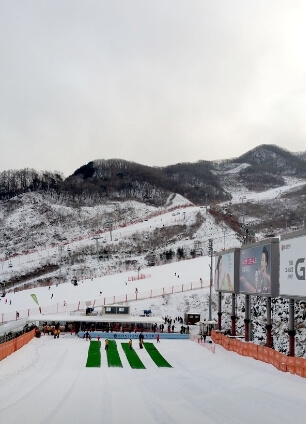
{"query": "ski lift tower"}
{"type": "Point", "coordinates": [97, 245]}
{"type": "Point", "coordinates": [109, 224]}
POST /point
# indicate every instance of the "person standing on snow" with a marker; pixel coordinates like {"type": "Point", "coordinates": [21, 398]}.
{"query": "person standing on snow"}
{"type": "Point", "coordinates": [141, 337]}
{"type": "Point", "coordinates": [157, 338]}
{"type": "Point", "coordinates": [106, 344]}
{"type": "Point", "coordinates": [131, 344]}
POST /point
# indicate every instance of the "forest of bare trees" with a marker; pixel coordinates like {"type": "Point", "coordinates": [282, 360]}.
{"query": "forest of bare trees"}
{"type": "Point", "coordinates": [14, 182]}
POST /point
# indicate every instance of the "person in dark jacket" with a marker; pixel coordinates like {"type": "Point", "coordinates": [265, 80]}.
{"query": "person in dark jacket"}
{"type": "Point", "coordinates": [87, 336]}
{"type": "Point", "coordinates": [141, 337]}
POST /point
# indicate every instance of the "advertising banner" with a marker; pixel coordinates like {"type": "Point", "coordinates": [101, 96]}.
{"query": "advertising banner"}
{"type": "Point", "coordinates": [292, 267]}
{"type": "Point", "coordinates": [255, 270]}
{"type": "Point", "coordinates": [225, 272]}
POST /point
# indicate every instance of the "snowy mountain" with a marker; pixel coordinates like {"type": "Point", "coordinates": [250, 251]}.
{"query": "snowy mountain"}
{"type": "Point", "coordinates": [54, 234]}
{"type": "Point", "coordinates": [45, 243]}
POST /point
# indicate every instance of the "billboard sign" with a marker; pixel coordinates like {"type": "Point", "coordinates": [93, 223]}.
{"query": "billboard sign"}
{"type": "Point", "coordinates": [258, 270]}
{"type": "Point", "coordinates": [225, 272]}
{"type": "Point", "coordinates": [293, 265]}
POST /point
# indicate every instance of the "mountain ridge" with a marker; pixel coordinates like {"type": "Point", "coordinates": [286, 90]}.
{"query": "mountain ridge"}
{"type": "Point", "coordinates": [41, 210]}
{"type": "Point", "coordinates": [103, 180]}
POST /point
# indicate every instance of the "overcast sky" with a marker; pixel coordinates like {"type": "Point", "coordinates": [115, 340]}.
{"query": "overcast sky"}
{"type": "Point", "coordinates": [154, 82]}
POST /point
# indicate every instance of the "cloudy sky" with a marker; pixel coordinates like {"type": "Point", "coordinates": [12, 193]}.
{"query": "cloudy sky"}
{"type": "Point", "coordinates": [154, 82]}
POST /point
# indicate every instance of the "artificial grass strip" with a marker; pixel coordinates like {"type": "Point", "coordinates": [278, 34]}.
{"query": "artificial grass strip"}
{"type": "Point", "coordinates": [95, 345]}
{"type": "Point", "coordinates": [113, 358]}
{"type": "Point", "coordinates": [94, 355]}
{"type": "Point", "coordinates": [132, 357]}
{"type": "Point", "coordinates": [159, 360]}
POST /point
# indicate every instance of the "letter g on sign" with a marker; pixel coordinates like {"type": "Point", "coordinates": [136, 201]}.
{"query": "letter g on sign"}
{"type": "Point", "coordinates": [300, 270]}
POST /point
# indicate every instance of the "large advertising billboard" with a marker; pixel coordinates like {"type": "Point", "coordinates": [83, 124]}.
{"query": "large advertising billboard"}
{"type": "Point", "coordinates": [293, 265]}
{"type": "Point", "coordinates": [226, 271]}
{"type": "Point", "coordinates": [258, 271]}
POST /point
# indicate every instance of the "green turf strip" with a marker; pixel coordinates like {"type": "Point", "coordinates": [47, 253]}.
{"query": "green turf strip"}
{"type": "Point", "coordinates": [156, 356]}
{"type": "Point", "coordinates": [95, 345]}
{"type": "Point", "coordinates": [113, 358]}
{"type": "Point", "coordinates": [94, 355]}
{"type": "Point", "coordinates": [132, 357]}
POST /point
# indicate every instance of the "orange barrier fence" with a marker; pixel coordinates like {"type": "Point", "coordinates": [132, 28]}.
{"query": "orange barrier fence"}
{"type": "Point", "coordinates": [11, 346]}
{"type": "Point", "coordinates": [139, 277]}
{"type": "Point", "coordinates": [280, 361]}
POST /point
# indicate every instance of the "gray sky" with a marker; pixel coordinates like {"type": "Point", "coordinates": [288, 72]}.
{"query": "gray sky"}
{"type": "Point", "coordinates": [154, 82]}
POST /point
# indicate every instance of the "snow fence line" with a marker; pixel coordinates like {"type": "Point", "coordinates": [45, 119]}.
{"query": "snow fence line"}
{"type": "Point", "coordinates": [208, 345]}
{"type": "Point", "coordinates": [64, 307]}
{"type": "Point", "coordinates": [282, 362]}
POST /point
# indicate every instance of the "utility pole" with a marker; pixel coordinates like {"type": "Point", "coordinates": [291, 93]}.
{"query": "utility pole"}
{"type": "Point", "coordinates": [210, 252]}
{"type": "Point", "coordinates": [243, 212]}
{"type": "Point", "coordinates": [69, 255]}
{"type": "Point", "coordinates": [110, 231]}
{"type": "Point", "coordinates": [246, 234]}
{"type": "Point", "coordinates": [61, 260]}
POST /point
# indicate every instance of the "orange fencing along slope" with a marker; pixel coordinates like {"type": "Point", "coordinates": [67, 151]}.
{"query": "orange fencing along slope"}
{"type": "Point", "coordinates": [11, 346]}
{"type": "Point", "coordinates": [280, 361]}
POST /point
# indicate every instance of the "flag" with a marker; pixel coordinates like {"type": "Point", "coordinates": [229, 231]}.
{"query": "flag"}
{"type": "Point", "coordinates": [34, 298]}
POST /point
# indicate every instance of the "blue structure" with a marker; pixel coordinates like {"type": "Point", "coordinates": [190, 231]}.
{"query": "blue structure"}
{"type": "Point", "coordinates": [116, 335]}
